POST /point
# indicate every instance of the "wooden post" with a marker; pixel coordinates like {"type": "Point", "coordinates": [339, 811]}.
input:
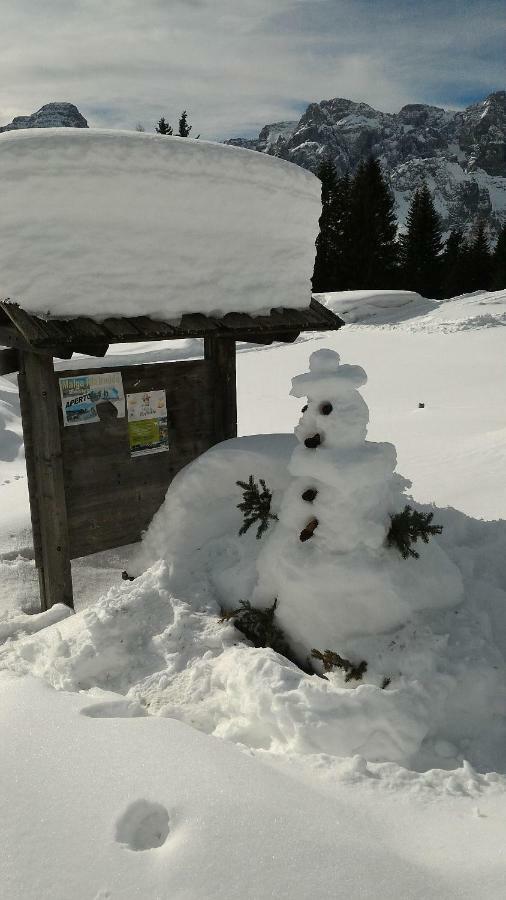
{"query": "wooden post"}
{"type": "Point", "coordinates": [220, 351]}
{"type": "Point", "coordinates": [40, 402]}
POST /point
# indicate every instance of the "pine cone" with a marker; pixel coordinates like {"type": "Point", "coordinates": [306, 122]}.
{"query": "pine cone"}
{"type": "Point", "coordinates": [308, 531]}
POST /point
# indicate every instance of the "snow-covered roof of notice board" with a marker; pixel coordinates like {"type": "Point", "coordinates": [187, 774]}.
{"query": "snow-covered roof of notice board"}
{"type": "Point", "coordinates": [104, 223]}
{"type": "Point", "coordinates": [62, 337]}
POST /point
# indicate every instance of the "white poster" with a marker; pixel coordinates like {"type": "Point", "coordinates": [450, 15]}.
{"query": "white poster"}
{"type": "Point", "coordinates": [147, 423]}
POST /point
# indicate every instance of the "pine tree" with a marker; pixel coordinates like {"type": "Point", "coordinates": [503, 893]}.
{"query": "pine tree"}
{"type": "Point", "coordinates": [478, 269]}
{"type": "Point", "coordinates": [163, 127]}
{"type": "Point", "coordinates": [500, 261]}
{"type": "Point", "coordinates": [453, 264]}
{"type": "Point", "coordinates": [184, 128]}
{"type": "Point", "coordinates": [341, 216]}
{"type": "Point", "coordinates": [373, 250]}
{"type": "Point", "coordinates": [323, 273]}
{"type": "Point", "coordinates": [421, 246]}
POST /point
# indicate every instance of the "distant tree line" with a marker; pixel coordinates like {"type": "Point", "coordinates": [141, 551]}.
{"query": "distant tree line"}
{"type": "Point", "coordinates": [359, 247]}
{"type": "Point", "coordinates": [163, 127]}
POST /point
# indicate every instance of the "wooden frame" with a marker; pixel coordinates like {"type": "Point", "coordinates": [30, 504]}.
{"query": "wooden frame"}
{"type": "Point", "coordinates": [55, 495]}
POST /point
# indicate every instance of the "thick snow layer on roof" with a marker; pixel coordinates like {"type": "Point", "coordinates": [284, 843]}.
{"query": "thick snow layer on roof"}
{"type": "Point", "coordinates": [123, 223]}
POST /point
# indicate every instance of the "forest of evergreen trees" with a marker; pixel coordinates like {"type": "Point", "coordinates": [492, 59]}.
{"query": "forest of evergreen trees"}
{"type": "Point", "coordinates": [359, 247]}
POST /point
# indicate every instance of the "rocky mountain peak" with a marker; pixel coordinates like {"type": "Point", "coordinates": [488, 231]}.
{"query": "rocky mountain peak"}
{"type": "Point", "coordinates": [483, 134]}
{"type": "Point", "coordinates": [51, 115]}
{"type": "Point", "coordinates": [420, 114]}
{"type": "Point", "coordinates": [461, 155]}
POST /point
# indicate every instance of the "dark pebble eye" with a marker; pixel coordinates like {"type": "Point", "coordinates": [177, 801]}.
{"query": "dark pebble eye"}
{"type": "Point", "coordinates": [304, 408]}
{"type": "Point", "coordinates": [326, 409]}
{"type": "Point", "coordinates": [312, 442]}
{"type": "Point", "coordinates": [309, 495]}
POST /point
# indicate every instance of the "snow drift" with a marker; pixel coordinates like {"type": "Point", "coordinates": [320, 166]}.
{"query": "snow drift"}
{"type": "Point", "coordinates": [380, 306]}
{"type": "Point", "coordinates": [111, 222]}
{"type": "Point", "coordinates": [160, 641]}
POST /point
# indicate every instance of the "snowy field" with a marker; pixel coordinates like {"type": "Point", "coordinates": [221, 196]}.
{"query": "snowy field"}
{"type": "Point", "coordinates": [149, 752]}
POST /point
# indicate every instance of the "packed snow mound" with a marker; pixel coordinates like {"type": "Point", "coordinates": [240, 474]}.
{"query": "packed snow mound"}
{"type": "Point", "coordinates": [409, 311]}
{"type": "Point", "coordinates": [172, 655]}
{"type": "Point", "coordinates": [469, 312]}
{"type": "Point", "coordinates": [434, 692]}
{"type": "Point", "coordinates": [379, 306]}
{"type": "Point", "coordinates": [197, 527]}
{"type": "Point", "coordinates": [123, 223]}
{"type": "Point", "coordinates": [327, 562]}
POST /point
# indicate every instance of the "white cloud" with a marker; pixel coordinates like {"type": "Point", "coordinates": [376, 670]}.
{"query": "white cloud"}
{"type": "Point", "coordinates": [238, 64]}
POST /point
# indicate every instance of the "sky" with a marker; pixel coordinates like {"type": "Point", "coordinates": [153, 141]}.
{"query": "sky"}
{"type": "Point", "coordinates": [237, 65]}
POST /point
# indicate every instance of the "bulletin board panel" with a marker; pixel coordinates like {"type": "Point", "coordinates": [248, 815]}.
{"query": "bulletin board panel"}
{"type": "Point", "coordinates": [112, 495]}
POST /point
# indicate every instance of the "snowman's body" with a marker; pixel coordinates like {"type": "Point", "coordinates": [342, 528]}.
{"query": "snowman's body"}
{"type": "Point", "coordinates": [326, 561]}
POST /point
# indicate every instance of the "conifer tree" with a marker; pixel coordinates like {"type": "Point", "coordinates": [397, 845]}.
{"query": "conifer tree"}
{"type": "Point", "coordinates": [341, 216]}
{"type": "Point", "coordinates": [163, 127]}
{"type": "Point", "coordinates": [500, 261]}
{"type": "Point", "coordinates": [184, 128]}
{"type": "Point", "coordinates": [453, 264]}
{"type": "Point", "coordinates": [478, 269]}
{"type": "Point", "coordinates": [373, 250]}
{"type": "Point", "coordinates": [323, 274]}
{"type": "Point", "coordinates": [421, 246]}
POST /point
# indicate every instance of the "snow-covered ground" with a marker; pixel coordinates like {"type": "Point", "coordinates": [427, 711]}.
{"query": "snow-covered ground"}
{"type": "Point", "coordinates": [298, 786]}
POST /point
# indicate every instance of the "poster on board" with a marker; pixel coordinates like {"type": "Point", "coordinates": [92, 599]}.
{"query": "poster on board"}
{"type": "Point", "coordinates": [147, 423]}
{"type": "Point", "coordinates": [92, 397]}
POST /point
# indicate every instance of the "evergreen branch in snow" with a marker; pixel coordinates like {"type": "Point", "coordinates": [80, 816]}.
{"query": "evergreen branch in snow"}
{"type": "Point", "coordinates": [407, 527]}
{"type": "Point", "coordinates": [331, 660]}
{"type": "Point", "coordinates": [259, 626]}
{"type": "Point", "coordinates": [256, 506]}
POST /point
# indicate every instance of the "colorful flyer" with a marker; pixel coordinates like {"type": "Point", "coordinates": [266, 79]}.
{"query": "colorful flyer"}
{"type": "Point", "coordinates": [92, 397]}
{"type": "Point", "coordinates": [147, 423]}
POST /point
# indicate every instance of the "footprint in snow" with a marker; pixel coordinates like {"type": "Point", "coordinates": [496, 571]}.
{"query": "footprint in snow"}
{"type": "Point", "coordinates": [143, 826]}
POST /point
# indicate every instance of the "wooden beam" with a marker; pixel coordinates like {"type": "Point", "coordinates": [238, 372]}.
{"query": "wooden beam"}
{"type": "Point", "coordinates": [90, 348]}
{"type": "Point", "coordinates": [220, 353]}
{"type": "Point", "coordinates": [40, 404]}
{"type": "Point", "coordinates": [9, 361]}
{"type": "Point", "coordinates": [9, 337]}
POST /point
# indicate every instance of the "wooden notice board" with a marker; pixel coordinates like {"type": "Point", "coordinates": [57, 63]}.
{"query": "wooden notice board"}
{"type": "Point", "coordinates": [111, 496]}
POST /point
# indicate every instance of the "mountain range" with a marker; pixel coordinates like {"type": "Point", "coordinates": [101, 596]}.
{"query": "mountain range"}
{"type": "Point", "coordinates": [460, 154]}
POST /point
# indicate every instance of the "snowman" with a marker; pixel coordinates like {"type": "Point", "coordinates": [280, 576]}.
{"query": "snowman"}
{"type": "Point", "coordinates": [326, 561]}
